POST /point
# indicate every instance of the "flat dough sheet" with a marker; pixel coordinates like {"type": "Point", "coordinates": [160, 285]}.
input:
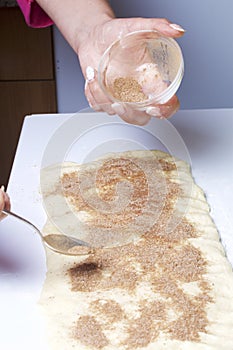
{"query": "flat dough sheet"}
{"type": "Point", "coordinates": [171, 288]}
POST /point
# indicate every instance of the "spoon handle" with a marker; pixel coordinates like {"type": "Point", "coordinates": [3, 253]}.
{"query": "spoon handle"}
{"type": "Point", "coordinates": [7, 212]}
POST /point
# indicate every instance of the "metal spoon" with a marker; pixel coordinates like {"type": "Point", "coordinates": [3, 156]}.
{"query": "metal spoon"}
{"type": "Point", "coordinates": [62, 244]}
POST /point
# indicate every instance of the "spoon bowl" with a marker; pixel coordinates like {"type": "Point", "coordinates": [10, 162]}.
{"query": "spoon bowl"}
{"type": "Point", "coordinates": [62, 244]}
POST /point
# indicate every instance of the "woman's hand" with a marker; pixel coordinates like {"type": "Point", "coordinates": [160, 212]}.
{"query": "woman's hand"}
{"type": "Point", "coordinates": [90, 27]}
{"type": "Point", "coordinates": [4, 202]}
{"type": "Point", "coordinates": [90, 50]}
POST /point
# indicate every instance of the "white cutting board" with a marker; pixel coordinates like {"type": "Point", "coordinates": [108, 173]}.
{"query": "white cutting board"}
{"type": "Point", "coordinates": [201, 137]}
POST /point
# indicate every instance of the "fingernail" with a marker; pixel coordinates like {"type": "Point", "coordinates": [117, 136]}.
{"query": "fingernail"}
{"type": "Point", "coordinates": [153, 111]}
{"type": "Point", "coordinates": [3, 188]}
{"type": "Point", "coordinates": [118, 108]}
{"type": "Point", "coordinates": [96, 107]}
{"type": "Point", "coordinates": [177, 27]}
{"type": "Point", "coordinates": [86, 85]}
{"type": "Point", "coordinates": [90, 105]}
{"type": "Point", "coordinates": [90, 73]}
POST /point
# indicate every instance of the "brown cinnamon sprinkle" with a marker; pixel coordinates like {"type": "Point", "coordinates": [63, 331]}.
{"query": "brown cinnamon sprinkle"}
{"type": "Point", "coordinates": [146, 328]}
{"type": "Point", "coordinates": [109, 308]}
{"type": "Point", "coordinates": [127, 89]}
{"type": "Point", "coordinates": [90, 332]}
{"type": "Point", "coordinates": [165, 261]}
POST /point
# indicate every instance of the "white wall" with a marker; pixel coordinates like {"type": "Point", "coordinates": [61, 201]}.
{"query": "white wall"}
{"type": "Point", "coordinates": [207, 47]}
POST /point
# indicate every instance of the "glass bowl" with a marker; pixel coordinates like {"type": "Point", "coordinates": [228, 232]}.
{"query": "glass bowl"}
{"type": "Point", "coordinates": [142, 68]}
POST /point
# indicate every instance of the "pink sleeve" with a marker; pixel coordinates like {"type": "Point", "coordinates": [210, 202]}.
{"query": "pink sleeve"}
{"type": "Point", "coordinates": [33, 14]}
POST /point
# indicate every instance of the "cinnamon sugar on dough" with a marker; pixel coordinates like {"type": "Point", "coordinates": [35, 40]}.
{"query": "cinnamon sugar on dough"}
{"type": "Point", "coordinates": [172, 288]}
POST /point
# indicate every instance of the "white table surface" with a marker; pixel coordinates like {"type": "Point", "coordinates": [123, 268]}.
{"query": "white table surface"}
{"type": "Point", "coordinates": [207, 137]}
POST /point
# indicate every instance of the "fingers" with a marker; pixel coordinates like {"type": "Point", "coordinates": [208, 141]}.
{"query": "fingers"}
{"type": "Point", "coordinates": [130, 115]}
{"type": "Point", "coordinates": [165, 110]}
{"type": "Point", "coordinates": [99, 102]}
{"type": "Point", "coordinates": [127, 114]}
{"type": "Point", "coordinates": [7, 202]}
{"type": "Point", "coordinates": [4, 201]}
{"type": "Point", "coordinates": [163, 25]}
{"type": "Point", "coordinates": [94, 94]}
{"type": "Point", "coordinates": [169, 29]}
{"type": "Point", "coordinates": [162, 111]}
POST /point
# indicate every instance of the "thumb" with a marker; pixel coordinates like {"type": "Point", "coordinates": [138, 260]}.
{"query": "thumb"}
{"type": "Point", "coordinates": [162, 25]}
{"type": "Point", "coordinates": [4, 199]}
{"type": "Point", "coordinates": [2, 202]}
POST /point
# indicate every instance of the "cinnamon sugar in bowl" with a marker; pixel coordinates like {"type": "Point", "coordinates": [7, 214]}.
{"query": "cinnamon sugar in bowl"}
{"type": "Point", "coordinates": [141, 68]}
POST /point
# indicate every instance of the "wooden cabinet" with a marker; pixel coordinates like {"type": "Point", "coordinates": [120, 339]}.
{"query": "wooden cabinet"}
{"type": "Point", "coordinates": [27, 80]}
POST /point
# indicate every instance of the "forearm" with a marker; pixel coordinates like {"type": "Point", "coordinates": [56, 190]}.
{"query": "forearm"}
{"type": "Point", "coordinates": [75, 18]}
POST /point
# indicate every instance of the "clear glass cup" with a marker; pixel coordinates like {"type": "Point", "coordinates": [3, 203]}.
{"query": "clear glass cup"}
{"type": "Point", "coordinates": [142, 68]}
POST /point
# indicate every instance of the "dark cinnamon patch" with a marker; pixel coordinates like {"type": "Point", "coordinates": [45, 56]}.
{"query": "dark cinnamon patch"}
{"type": "Point", "coordinates": [85, 276]}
